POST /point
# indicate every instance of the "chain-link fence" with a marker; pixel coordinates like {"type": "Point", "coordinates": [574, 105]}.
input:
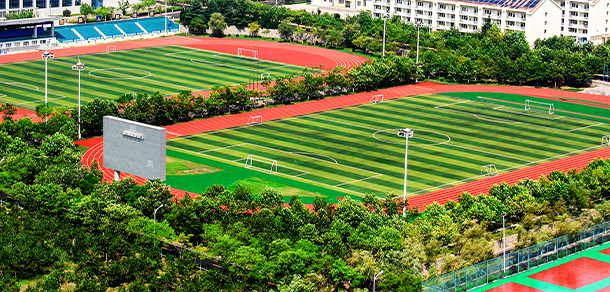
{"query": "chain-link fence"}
{"type": "Point", "coordinates": [519, 261]}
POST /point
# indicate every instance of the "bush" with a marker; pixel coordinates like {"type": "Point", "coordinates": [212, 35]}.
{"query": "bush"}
{"type": "Point", "coordinates": [66, 13]}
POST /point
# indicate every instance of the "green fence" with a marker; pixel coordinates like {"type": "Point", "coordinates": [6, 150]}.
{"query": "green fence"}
{"type": "Point", "coordinates": [519, 261]}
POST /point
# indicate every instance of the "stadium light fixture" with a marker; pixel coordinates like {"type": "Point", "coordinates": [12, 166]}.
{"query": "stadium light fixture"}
{"type": "Point", "coordinates": [385, 17]}
{"type": "Point", "coordinates": [375, 279]}
{"type": "Point", "coordinates": [78, 67]}
{"type": "Point", "coordinates": [46, 56]}
{"type": "Point", "coordinates": [406, 133]}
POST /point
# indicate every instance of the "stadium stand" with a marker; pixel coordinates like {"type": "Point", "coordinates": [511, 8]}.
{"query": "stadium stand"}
{"type": "Point", "coordinates": [114, 29]}
{"type": "Point", "coordinates": [27, 34]}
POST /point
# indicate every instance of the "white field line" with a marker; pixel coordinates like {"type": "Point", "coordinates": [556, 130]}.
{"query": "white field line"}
{"type": "Point", "coordinates": [29, 88]}
{"type": "Point", "coordinates": [495, 120]}
{"type": "Point", "coordinates": [448, 104]}
{"type": "Point", "coordinates": [556, 117]}
{"type": "Point", "coordinates": [281, 174]}
{"type": "Point", "coordinates": [354, 181]}
{"type": "Point", "coordinates": [153, 80]}
{"type": "Point", "coordinates": [343, 123]}
{"type": "Point", "coordinates": [507, 169]}
{"type": "Point", "coordinates": [310, 153]}
{"type": "Point", "coordinates": [585, 127]}
{"type": "Point", "coordinates": [220, 148]}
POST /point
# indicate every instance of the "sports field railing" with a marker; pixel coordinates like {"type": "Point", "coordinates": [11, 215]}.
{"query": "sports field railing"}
{"type": "Point", "coordinates": [519, 261]}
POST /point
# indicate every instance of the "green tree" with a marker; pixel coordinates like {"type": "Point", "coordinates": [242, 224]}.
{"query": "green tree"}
{"type": "Point", "coordinates": [254, 28]}
{"type": "Point", "coordinates": [124, 6]}
{"type": "Point", "coordinates": [285, 29]}
{"type": "Point", "coordinates": [86, 10]}
{"type": "Point", "coordinates": [217, 24]}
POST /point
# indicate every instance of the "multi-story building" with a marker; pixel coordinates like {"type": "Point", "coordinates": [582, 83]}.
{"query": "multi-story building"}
{"type": "Point", "coordinates": [43, 8]}
{"type": "Point", "coordinates": [585, 21]}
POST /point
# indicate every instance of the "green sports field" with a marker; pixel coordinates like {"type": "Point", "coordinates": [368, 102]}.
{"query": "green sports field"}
{"type": "Point", "coordinates": [168, 70]}
{"type": "Point", "coordinates": [356, 151]}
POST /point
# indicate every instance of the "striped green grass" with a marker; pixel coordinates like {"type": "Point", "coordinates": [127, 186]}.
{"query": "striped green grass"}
{"type": "Point", "coordinates": [355, 150]}
{"type": "Point", "coordinates": [167, 70]}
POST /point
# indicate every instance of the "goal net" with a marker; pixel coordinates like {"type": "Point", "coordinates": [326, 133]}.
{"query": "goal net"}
{"type": "Point", "coordinates": [606, 140]}
{"type": "Point", "coordinates": [247, 53]}
{"type": "Point", "coordinates": [541, 106]}
{"type": "Point", "coordinates": [110, 49]}
{"type": "Point", "coordinates": [253, 161]}
{"type": "Point", "coordinates": [377, 98]}
{"type": "Point", "coordinates": [255, 120]}
{"type": "Point", "coordinates": [489, 170]}
{"type": "Point", "coordinates": [265, 76]}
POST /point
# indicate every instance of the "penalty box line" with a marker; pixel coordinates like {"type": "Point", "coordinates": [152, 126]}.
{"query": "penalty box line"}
{"type": "Point", "coordinates": [504, 170]}
{"type": "Point", "coordinates": [517, 113]}
{"type": "Point", "coordinates": [278, 173]}
{"type": "Point", "coordinates": [375, 174]}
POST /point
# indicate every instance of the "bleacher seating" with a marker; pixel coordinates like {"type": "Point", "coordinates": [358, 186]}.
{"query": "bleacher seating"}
{"type": "Point", "coordinates": [88, 31]}
{"type": "Point", "coordinates": [11, 33]}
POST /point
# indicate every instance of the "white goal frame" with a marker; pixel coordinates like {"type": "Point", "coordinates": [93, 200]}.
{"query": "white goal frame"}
{"type": "Point", "coordinates": [251, 158]}
{"type": "Point", "coordinates": [606, 140]}
{"type": "Point", "coordinates": [537, 104]}
{"type": "Point", "coordinates": [265, 76]}
{"type": "Point", "coordinates": [240, 52]}
{"type": "Point", "coordinates": [255, 120]}
{"type": "Point", "coordinates": [489, 170]}
{"type": "Point", "coordinates": [111, 49]}
{"type": "Point", "coordinates": [375, 99]}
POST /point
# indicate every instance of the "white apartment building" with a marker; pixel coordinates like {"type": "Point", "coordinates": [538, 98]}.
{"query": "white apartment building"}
{"type": "Point", "coordinates": [585, 21]}
{"type": "Point", "coordinates": [44, 8]}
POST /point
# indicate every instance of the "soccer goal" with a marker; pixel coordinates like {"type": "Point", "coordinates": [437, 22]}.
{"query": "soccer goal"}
{"type": "Point", "coordinates": [538, 105]}
{"type": "Point", "coordinates": [265, 76]}
{"type": "Point", "coordinates": [110, 49]}
{"type": "Point", "coordinates": [261, 161]}
{"type": "Point", "coordinates": [376, 98]}
{"type": "Point", "coordinates": [606, 140]}
{"type": "Point", "coordinates": [255, 120]}
{"type": "Point", "coordinates": [242, 52]}
{"type": "Point", "coordinates": [489, 170]}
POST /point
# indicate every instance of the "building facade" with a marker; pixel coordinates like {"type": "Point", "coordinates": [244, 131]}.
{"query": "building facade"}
{"type": "Point", "coordinates": [44, 8]}
{"type": "Point", "coordinates": [585, 21]}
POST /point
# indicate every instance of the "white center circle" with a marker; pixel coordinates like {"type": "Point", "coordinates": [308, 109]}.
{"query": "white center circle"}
{"type": "Point", "coordinates": [432, 143]}
{"type": "Point", "coordinates": [121, 71]}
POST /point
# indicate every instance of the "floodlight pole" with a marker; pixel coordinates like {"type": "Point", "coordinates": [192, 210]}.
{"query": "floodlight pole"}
{"type": "Point", "coordinates": [79, 67]}
{"type": "Point", "coordinates": [419, 24]}
{"type": "Point", "coordinates": [504, 241]}
{"type": "Point", "coordinates": [46, 56]}
{"type": "Point", "coordinates": [375, 279]}
{"type": "Point", "coordinates": [385, 17]}
{"type": "Point", "coordinates": [165, 18]}
{"type": "Point", "coordinates": [155, 217]}
{"type": "Point", "coordinates": [407, 133]}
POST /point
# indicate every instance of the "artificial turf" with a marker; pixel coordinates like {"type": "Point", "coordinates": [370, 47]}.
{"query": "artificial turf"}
{"type": "Point", "coordinates": [168, 70]}
{"type": "Point", "coordinates": [356, 151]}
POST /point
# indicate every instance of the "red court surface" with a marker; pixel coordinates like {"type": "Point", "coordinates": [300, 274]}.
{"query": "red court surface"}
{"type": "Point", "coordinates": [575, 274]}
{"type": "Point", "coordinates": [605, 251]}
{"type": "Point", "coordinates": [606, 289]}
{"type": "Point", "coordinates": [514, 287]}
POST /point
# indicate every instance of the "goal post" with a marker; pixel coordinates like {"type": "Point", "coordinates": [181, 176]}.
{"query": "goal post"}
{"type": "Point", "coordinates": [606, 140]}
{"type": "Point", "coordinates": [265, 76]}
{"type": "Point", "coordinates": [489, 170]}
{"type": "Point", "coordinates": [376, 99]}
{"type": "Point", "coordinates": [538, 105]}
{"type": "Point", "coordinates": [251, 158]}
{"type": "Point", "coordinates": [255, 120]}
{"type": "Point", "coordinates": [111, 49]}
{"type": "Point", "coordinates": [243, 52]}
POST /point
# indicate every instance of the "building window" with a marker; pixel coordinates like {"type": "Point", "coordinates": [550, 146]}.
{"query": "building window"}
{"type": "Point", "coordinates": [419, 12]}
{"type": "Point", "coordinates": [606, 29]}
{"type": "Point", "coordinates": [2, 5]}
{"type": "Point", "coordinates": [34, 42]}
{"type": "Point", "coordinates": [476, 10]}
{"type": "Point", "coordinates": [465, 9]}
{"type": "Point", "coordinates": [54, 3]}
{"type": "Point", "coordinates": [511, 14]}
{"type": "Point", "coordinates": [573, 21]}
{"type": "Point", "coordinates": [545, 31]}
{"type": "Point", "coordinates": [522, 15]}
{"type": "Point", "coordinates": [572, 29]}
{"type": "Point", "coordinates": [441, 6]}
{"type": "Point", "coordinates": [43, 41]}
{"type": "Point", "coordinates": [442, 15]}
{"type": "Point", "coordinates": [546, 14]}
{"type": "Point", "coordinates": [464, 17]}
{"type": "Point", "coordinates": [487, 11]}
{"type": "Point", "coordinates": [28, 3]}
{"type": "Point", "coordinates": [17, 44]}
{"type": "Point", "coordinates": [398, 10]}
{"type": "Point", "coordinates": [499, 22]}
{"type": "Point", "coordinates": [573, 13]}
{"type": "Point", "coordinates": [26, 43]}
{"type": "Point", "coordinates": [441, 23]}
{"type": "Point", "coordinates": [463, 26]}
{"type": "Point", "coordinates": [574, 5]}
{"type": "Point", "coordinates": [13, 4]}
{"type": "Point", "coordinates": [510, 23]}
{"type": "Point", "coordinates": [41, 3]}
{"type": "Point", "coordinates": [586, 15]}
{"type": "Point", "coordinates": [420, 4]}
{"type": "Point", "coordinates": [587, 6]}
{"type": "Point", "coordinates": [522, 25]}
{"type": "Point", "coordinates": [545, 22]}
{"type": "Point", "coordinates": [475, 19]}
{"type": "Point", "coordinates": [66, 3]}
{"type": "Point", "coordinates": [8, 45]}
